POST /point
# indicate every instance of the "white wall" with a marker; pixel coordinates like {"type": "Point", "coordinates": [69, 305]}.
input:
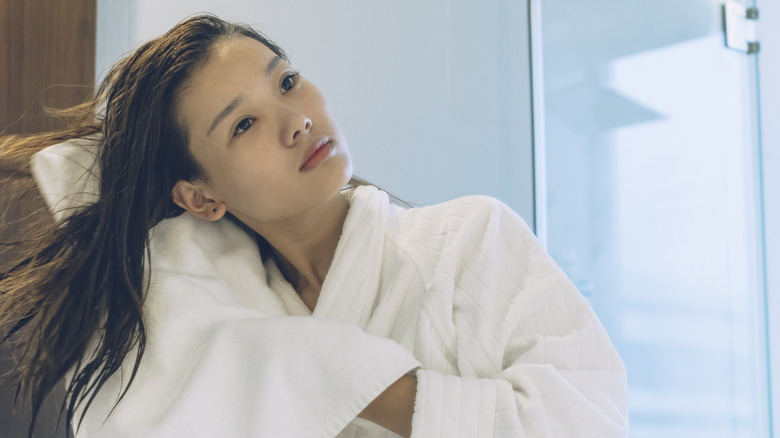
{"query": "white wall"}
{"type": "Point", "coordinates": [114, 34]}
{"type": "Point", "coordinates": [433, 97]}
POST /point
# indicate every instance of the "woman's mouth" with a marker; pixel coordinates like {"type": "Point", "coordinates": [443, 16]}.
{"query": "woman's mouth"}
{"type": "Point", "coordinates": [316, 154]}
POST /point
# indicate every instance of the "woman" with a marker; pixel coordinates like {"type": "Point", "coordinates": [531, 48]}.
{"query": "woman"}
{"type": "Point", "coordinates": [446, 320]}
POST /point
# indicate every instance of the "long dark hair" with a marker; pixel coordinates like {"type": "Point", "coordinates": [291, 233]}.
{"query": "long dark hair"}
{"type": "Point", "coordinates": [75, 303]}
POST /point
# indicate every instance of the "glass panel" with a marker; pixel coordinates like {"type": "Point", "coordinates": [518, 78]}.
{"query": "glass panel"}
{"type": "Point", "coordinates": [651, 158]}
{"type": "Point", "coordinates": [769, 90]}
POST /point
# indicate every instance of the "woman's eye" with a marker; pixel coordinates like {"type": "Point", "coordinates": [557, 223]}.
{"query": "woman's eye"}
{"type": "Point", "coordinates": [289, 81]}
{"type": "Point", "coordinates": [242, 126]}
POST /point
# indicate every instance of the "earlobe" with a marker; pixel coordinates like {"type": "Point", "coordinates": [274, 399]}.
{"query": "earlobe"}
{"type": "Point", "coordinates": [189, 197]}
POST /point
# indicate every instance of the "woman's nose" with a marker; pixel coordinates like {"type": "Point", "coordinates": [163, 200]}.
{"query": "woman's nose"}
{"type": "Point", "coordinates": [296, 125]}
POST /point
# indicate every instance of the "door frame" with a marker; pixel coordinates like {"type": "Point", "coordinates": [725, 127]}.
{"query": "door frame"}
{"type": "Point", "coordinates": [768, 69]}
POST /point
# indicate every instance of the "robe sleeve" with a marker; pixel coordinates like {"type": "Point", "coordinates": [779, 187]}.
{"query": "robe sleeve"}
{"type": "Point", "coordinates": [243, 377]}
{"type": "Point", "coordinates": [532, 358]}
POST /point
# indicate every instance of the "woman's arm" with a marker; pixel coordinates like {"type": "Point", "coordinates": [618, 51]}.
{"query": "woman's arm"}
{"type": "Point", "coordinates": [509, 347]}
{"type": "Point", "coordinates": [393, 409]}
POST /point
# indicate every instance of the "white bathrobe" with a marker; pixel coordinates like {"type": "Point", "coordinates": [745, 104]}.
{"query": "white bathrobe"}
{"type": "Point", "coordinates": [508, 346]}
{"type": "Point", "coordinates": [460, 293]}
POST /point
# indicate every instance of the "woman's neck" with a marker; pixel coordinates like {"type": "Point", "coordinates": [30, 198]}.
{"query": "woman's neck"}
{"type": "Point", "coordinates": [305, 246]}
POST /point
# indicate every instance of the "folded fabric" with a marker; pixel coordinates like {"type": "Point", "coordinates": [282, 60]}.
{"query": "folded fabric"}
{"type": "Point", "coordinates": [223, 358]}
{"type": "Point", "coordinates": [67, 175]}
{"type": "Point", "coordinates": [509, 348]}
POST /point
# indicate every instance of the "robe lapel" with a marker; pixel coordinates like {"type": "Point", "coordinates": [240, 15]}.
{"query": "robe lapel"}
{"type": "Point", "coordinates": [351, 288]}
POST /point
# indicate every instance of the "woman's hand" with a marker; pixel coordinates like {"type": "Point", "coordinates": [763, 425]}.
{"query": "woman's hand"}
{"type": "Point", "coordinates": [393, 408]}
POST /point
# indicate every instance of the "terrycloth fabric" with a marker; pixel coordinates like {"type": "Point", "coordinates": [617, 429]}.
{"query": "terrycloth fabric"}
{"type": "Point", "coordinates": [66, 175]}
{"type": "Point", "coordinates": [508, 346]}
{"type": "Point", "coordinates": [222, 358]}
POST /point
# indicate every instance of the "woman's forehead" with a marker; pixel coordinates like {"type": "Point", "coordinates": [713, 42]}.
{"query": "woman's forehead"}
{"type": "Point", "coordinates": [236, 52]}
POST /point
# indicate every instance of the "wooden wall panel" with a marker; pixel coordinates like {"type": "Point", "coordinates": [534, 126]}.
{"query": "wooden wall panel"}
{"type": "Point", "coordinates": [47, 57]}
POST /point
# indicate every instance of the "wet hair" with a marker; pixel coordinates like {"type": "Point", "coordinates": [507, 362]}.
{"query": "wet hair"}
{"type": "Point", "coordinates": [74, 304]}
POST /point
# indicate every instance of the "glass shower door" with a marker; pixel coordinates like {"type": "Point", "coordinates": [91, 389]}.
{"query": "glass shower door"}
{"type": "Point", "coordinates": [652, 204]}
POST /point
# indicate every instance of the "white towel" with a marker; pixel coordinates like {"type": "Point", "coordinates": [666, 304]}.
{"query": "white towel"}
{"type": "Point", "coordinates": [222, 356]}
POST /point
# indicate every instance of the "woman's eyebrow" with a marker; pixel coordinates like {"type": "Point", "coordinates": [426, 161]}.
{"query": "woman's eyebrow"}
{"type": "Point", "coordinates": [225, 112]}
{"type": "Point", "coordinates": [272, 65]}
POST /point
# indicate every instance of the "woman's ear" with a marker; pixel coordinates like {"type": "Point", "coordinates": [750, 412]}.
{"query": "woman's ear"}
{"type": "Point", "coordinates": [189, 197]}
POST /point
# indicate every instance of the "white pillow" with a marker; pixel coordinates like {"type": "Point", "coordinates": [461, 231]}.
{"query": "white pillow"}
{"type": "Point", "coordinates": [67, 175]}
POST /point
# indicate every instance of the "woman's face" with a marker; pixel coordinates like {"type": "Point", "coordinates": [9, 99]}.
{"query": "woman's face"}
{"type": "Point", "coordinates": [263, 134]}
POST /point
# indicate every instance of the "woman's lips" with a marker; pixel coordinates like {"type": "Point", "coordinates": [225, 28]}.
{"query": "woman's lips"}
{"type": "Point", "coordinates": [316, 154]}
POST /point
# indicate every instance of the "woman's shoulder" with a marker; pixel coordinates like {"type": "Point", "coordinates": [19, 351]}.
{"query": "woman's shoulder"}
{"type": "Point", "coordinates": [457, 223]}
{"type": "Point", "coordinates": [466, 214]}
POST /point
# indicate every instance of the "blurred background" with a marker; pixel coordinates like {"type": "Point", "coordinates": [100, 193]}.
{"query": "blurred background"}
{"type": "Point", "coordinates": [642, 150]}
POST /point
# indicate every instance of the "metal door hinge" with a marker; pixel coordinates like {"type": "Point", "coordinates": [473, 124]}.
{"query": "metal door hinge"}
{"type": "Point", "coordinates": [740, 24]}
